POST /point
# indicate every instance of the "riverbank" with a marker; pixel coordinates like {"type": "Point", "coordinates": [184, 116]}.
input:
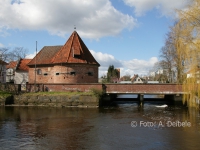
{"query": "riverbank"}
{"type": "Point", "coordinates": [52, 99]}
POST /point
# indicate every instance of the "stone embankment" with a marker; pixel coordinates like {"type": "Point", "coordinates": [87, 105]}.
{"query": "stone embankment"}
{"type": "Point", "coordinates": [52, 100]}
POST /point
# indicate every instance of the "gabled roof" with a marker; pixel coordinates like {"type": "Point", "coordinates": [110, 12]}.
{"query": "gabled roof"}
{"type": "Point", "coordinates": [73, 51]}
{"type": "Point", "coordinates": [12, 64]}
{"type": "Point", "coordinates": [23, 64]}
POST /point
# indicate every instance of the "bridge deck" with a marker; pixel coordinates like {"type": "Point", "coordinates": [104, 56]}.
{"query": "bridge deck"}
{"type": "Point", "coordinates": [143, 89]}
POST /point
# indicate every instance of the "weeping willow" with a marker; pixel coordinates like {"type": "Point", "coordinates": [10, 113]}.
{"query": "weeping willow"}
{"type": "Point", "coordinates": [188, 47]}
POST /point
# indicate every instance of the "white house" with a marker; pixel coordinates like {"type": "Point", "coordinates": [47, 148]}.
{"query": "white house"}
{"type": "Point", "coordinates": [21, 73]}
{"type": "Point", "coordinates": [137, 79]}
{"type": "Point", "coordinates": [190, 74]}
{"type": "Point", "coordinates": [10, 71]}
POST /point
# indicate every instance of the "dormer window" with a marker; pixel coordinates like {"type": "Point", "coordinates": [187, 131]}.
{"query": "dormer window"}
{"type": "Point", "coordinates": [76, 52]}
{"type": "Point", "coordinates": [76, 56]}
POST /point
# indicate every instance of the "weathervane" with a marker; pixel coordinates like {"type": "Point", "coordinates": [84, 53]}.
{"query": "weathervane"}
{"type": "Point", "coordinates": [75, 27]}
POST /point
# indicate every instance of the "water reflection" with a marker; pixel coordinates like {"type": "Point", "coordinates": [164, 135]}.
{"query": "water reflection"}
{"type": "Point", "coordinates": [103, 128]}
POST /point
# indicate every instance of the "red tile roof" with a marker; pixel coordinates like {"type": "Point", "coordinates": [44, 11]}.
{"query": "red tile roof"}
{"type": "Point", "coordinates": [73, 51]}
{"type": "Point", "coordinates": [45, 55]}
{"type": "Point", "coordinates": [11, 64]}
{"type": "Point", "coordinates": [23, 64]}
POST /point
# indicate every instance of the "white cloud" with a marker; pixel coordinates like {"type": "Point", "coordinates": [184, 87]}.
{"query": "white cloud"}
{"type": "Point", "coordinates": [105, 59]}
{"type": "Point", "coordinates": [93, 18]}
{"type": "Point", "coordinates": [129, 67]}
{"type": "Point", "coordinates": [1, 45]}
{"type": "Point", "coordinates": [30, 56]}
{"type": "Point", "coordinates": [166, 7]}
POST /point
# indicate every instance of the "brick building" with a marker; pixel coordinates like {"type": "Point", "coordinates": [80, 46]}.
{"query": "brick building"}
{"type": "Point", "coordinates": [70, 63]}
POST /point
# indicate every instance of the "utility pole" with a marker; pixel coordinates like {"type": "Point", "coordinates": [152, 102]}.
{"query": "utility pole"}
{"type": "Point", "coordinates": [35, 67]}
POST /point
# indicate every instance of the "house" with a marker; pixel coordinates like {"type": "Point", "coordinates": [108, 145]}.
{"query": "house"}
{"type": "Point", "coordinates": [194, 73]}
{"type": "Point", "coordinates": [21, 73]}
{"type": "Point", "coordinates": [2, 71]}
{"type": "Point", "coordinates": [137, 79]}
{"type": "Point", "coordinates": [10, 71]}
{"type": "Point", "coordinates": [70, 63]}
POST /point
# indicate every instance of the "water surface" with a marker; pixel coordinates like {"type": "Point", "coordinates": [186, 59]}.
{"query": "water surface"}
{"type": "Point", "coordinates": [99, 128]}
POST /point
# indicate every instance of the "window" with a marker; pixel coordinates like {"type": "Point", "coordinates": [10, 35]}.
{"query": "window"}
{"type": "Point", "coordinates": [45, 74]}
{"type": "Point", "coordinates": [57, 73]}
{"type": "Point", "coordinates": [77, 56]}
{"type": "Point", "coordinates": [90, 73]}
{"type": "Point", "coordinates": [39, 71]}
{"type": "Point", "coordinates": [73, 73]}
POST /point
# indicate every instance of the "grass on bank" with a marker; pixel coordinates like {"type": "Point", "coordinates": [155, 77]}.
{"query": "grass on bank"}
{"type": "Point", "coordinates": [93, 92]}
{"type": "Point", "coordinates": [57, 93]}
{"type": "Point", "coordinates": [5, 94]}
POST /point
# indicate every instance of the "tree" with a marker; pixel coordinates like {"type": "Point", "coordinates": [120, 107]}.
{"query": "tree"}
{"type": "Point", "coordinates": [112, 74]}
{"type": "Point", "coordinates": [8, 55]}
{"type": "Point", "coordinates": [167, 55]}
{"type": "Point", "coordinates": [189, 21]}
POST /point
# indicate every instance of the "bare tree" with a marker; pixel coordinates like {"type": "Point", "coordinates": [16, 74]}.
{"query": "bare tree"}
{"type": "Point", "coordinates": [3, 57]}
{"type": "Point", "coordinates": [8, 55]}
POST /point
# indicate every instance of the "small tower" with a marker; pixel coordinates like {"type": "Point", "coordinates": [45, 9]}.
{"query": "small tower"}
{"type": "Point", "coordinates": [70, 63]}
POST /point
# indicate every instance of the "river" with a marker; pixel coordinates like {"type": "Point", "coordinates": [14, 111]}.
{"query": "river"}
{"type": "Point", "coordinates": [123, 126]}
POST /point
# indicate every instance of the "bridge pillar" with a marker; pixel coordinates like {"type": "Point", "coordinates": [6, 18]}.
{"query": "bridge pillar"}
{"type": "Point", "coordinates": [174, 98]}
{"type": "Point", "coordinates": [141, 99]}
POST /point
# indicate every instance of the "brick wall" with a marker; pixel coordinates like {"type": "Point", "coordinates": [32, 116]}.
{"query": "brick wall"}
{"type": "Point", "coordinates": [65, 74]}
{"type": "Point", "coordinates": [144, 88]}
{"type": "Point", "coordinates": [111, 88]}
{"type": "Point", "coordinates": [64, 87]}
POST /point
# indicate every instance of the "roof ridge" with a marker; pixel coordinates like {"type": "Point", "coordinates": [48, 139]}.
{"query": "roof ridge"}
{"type": "Point", "coordinates": [71, 46]}
{"type": "Point", "coordinates": [79, 39]}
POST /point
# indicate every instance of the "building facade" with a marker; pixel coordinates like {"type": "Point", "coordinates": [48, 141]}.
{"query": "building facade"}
{"type": "Point", "coordinates": [10, 71]}
{"type": "Point", "coordinates": [70, 63]}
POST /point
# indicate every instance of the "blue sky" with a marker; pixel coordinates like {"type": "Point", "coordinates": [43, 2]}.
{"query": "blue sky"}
{"type": "Point", "coordinates": [125, 33]}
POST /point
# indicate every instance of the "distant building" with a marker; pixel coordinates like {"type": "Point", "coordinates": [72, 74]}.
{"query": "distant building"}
{"type": "Point", "coordinates": [118, 70]}
{"type": "Point", "coordinates": [194, 73]}
{"type": "Point", "coordinates": [137, 79]}
{"type": "Point", "coordinates": [125, 82]}
{"type": "Point", "coordinates": [2, 71]}
{"type": "Point", "coordinates": [70, 63]}
{"type": "Point", "coordinates": [152, 82]}
{"type": "Point", "coordinates": [10, 71]}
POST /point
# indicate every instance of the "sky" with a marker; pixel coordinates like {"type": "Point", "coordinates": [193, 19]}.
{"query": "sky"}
{"type": "Point", "coordinates": [125, 33]}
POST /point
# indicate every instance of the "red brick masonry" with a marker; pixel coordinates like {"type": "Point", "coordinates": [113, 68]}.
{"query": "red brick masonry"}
{"type": "Point", "coordinates": [111, 88]}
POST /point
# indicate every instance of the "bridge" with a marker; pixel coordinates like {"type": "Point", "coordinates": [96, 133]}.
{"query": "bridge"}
{"type": "Point", "coordinates": [143, 89]}
{"type": "Point", "coordinates": [171, 92]}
